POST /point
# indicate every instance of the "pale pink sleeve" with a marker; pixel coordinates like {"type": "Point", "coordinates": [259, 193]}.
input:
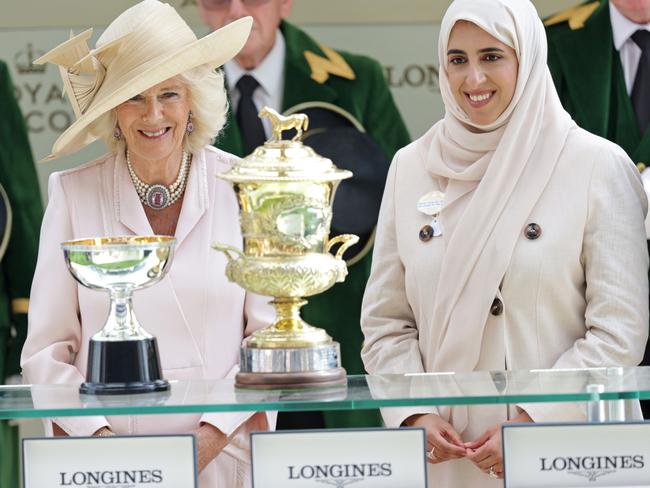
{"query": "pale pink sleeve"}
{"type": "Point", "coordinates": [54, 329]}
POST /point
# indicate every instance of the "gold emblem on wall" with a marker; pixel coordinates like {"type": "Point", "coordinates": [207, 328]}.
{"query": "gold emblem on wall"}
{"type": "Point", "coordinates": [24, 61]}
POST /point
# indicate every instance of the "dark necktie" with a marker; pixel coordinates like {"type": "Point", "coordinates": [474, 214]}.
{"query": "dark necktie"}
{"type": "Point", "coordinates": [641, 87]}
{"type": "Point", "coordinates": [249, 123]}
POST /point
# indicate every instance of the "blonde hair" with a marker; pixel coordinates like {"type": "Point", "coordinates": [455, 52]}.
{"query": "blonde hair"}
{"type": "Point", "coordinates": [208, 103]}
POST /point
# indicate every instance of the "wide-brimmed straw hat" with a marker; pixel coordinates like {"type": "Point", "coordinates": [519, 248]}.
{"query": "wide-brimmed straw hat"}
{"type": "Point", "coordinates": [146, 45]}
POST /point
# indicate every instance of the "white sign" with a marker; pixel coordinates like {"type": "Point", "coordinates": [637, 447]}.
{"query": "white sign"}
{"type": "Point", "coordinates": [574, 455]}
{"type": "Point", "coordinates": [110, 462]}
{"type": "Point", "coordinates": [374, 458]}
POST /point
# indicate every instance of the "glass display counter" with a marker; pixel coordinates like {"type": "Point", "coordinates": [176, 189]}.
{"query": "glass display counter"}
{"type": "Point", "coordinates": [595, 386]}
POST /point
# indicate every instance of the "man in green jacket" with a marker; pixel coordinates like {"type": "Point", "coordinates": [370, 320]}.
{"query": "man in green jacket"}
{"type": "Point", "coordinates": [594, 74]}
{"type": "Point", "coordinates": [599, 56]}
{"type": "Point", "coordinates": [291, 68]}
{"type": "Point", "coordinates": [18, 252]}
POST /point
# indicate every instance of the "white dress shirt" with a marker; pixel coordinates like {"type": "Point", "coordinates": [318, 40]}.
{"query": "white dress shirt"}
{"type": "Point", "coordinates": [630, 53]}
{"type": "Point", "coordinates": [269, 74]}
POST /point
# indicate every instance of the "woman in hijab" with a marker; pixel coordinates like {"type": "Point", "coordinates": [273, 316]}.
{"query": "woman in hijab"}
{"type": "Point", "coordinates": [150, 90]}
{"type": "Point", "coordinates": [508, 238]}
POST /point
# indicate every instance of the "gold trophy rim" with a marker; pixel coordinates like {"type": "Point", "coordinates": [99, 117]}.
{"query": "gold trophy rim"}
{"type": "Point", "coordinates": [118, 241]}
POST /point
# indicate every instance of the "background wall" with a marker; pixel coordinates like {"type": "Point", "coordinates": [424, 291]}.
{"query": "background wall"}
{"type": "Point", "coordinates": [402, 35]}
{"type": "Point", "coordinates": [66, 13]}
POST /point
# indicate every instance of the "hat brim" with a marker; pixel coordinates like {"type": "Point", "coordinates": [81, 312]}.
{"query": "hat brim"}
{"type": "Point", "coordinates": [212, 50]}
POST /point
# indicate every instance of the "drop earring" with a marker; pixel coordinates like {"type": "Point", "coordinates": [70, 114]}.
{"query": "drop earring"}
{"type": "Point", "coordinates": [190, 126]}
{"type": "Point", "coordinates": [117, 133]}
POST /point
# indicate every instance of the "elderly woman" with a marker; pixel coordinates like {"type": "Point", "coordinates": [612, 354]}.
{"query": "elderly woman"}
{"type": "Point", "coordinates": [150, 91]}
{"type": "Point", "coordinates": [508, 238]}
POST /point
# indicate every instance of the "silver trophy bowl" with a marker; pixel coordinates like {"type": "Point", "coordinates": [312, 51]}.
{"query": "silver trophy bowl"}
{"type": "Point", "coordinates": [123, 357]}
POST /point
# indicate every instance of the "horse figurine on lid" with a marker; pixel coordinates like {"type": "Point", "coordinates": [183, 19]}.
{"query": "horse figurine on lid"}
{"type": "Point", "coordinates": [280, 123]}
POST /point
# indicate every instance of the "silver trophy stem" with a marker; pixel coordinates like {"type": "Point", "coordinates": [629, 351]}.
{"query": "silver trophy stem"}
{"type": "Point", "coordinates": [121, 325]}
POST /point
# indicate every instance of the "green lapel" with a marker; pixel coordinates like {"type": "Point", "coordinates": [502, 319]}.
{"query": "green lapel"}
{"type": "Point", "coordinates": [642, 152]}
{"type": "Point", "coordinates": [299, 87]}
{"type": "Point", "coordinates": [588, 68]}
{"type": "Point", "coordinates": [623, 128]}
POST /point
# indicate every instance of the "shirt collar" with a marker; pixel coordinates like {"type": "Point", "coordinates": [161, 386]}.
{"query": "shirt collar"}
{"type": "Point", "coordinates": [268, 73]}
{"type": "Point", "coordinates": [622, 27]}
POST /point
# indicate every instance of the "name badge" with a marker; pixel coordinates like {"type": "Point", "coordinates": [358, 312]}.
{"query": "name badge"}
{"type": "Point", "coordinates": [562, 455]}
{"type": "Point", "coordinates": [381, 458]}
{"type": "Point", "coordinates": [117, 461]}
{"type": "Point", "coordinates": [431, 203]}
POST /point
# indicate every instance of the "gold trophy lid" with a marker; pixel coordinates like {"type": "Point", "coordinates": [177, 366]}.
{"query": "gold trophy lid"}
{"type": "Point", "coordinates": [285, 160]}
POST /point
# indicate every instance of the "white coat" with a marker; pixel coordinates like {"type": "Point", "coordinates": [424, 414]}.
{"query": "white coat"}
{"type": "Point", "coordinates": [575, 297]}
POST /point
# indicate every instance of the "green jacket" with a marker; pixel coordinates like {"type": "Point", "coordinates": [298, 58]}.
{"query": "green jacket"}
{"type": "Point", "coordinates": [18, 178]}
{"type": "Point", "coordinates": [589, 78]}
{"type": "Point", "coordinates": [368, 98]}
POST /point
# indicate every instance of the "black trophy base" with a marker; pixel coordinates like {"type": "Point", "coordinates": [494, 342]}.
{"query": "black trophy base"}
{"type": "Point", "coordinates": [123, 368]}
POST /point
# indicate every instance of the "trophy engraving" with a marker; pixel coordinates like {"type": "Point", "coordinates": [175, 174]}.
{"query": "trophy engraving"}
{"type": "Point", "coordinates": [285, 192]}
{"type": "Point", "coordinates": [123, 357]}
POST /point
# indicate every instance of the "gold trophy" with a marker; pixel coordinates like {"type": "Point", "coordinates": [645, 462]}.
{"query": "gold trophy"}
{"type": "Point", "coordinates": [123, 357]}
{"type": "Point", "coordinates": [285, 192]}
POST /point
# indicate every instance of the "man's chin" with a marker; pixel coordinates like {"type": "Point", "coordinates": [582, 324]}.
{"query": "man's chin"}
{"type": "Point", "coordinates": [251, 56]}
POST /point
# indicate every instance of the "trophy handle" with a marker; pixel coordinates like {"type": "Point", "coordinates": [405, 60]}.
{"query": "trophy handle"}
{"type": "Point", "coordinates": [226, 249]}
{"type": "Point", "coordinates": [346, 241]}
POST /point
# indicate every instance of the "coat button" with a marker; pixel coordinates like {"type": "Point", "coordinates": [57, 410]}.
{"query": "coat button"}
{"type": "Point", "coordinates": [426, 233]}
{"type": "Point", "coordinates": [533, 231]}
{"type": "Point", "coordinates": [497, 307]}
{"type": "Point", "coordinates": [641, 166]}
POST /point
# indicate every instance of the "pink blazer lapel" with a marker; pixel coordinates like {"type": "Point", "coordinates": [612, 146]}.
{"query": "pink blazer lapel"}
{"type": "Point", "coordinates": [128, 208]}
{"type": "Point", "coordinates": [195, 200]}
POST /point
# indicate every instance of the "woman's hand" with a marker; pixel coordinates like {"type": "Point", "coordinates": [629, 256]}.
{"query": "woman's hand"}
{"type": "Point", "coordinates": [486, 452]}
{"type": "Point", "coordinates": [443, 442]}
{"type": "Point", "coordinates": [210, 442]}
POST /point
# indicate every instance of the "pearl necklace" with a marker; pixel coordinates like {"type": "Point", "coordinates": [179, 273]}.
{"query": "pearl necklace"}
{"type": "Point", "coordinates": [159, 196]}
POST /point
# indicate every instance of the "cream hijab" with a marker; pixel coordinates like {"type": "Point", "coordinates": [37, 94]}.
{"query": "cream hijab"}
{"type": "Point", "coordinates": [492, 178]}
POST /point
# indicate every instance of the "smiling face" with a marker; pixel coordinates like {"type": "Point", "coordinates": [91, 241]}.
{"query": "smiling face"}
{"type": "Point", "coordinates": [266, 14]}
{"type": "Point", "coordinates": [154, 122]}
{"type": "Point", "coordinates": [482, 72]}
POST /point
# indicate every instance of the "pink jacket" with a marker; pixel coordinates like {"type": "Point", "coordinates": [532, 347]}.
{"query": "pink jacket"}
{"type": "Point", "coordinates": [198, 317]}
